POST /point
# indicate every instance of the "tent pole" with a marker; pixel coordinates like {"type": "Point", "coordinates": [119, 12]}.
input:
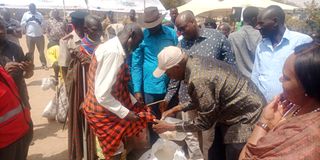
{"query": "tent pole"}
{"type": "Point", "coordinates": [64, 10]}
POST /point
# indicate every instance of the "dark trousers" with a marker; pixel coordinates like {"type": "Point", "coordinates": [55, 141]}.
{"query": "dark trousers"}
{"type": "Point", "coordinates": [19, 149]}
{"type": "Point", "coordinates": [39, 42]}
{"type": "Point", "coordinates": [149, 98]}
{"type": "Point", "coordinates": [221, 151]}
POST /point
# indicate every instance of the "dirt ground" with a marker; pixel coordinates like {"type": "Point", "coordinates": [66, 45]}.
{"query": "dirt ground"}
{"type": "Point", "coordinates": [50, 141]}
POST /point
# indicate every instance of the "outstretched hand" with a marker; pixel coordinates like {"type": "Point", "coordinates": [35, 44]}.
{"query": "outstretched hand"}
{"type": "Point", "coordinates": [162, 126]}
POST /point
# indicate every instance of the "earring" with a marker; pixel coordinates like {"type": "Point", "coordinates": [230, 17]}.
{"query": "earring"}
{"type": "Point", "coordinates": [306, 95]}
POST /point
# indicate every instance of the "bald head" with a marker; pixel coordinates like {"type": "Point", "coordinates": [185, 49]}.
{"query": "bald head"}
{"type": "Point", "coordinates": [271, 23]}
{"type": "Point", "coordinates": [186, 16]}
{"type": "Point", "coordinates": [130, 37]}
{"type": "Point", "coordinates": [187, 25]}
{"type": "Point", "coordinates": [93, 27]}
{"type": "Point", "coordinates": [91, 20]}
{"type": "Point", "coordinates": [274, 12]}
{"type": "Point", "coordinates": [32, 8]}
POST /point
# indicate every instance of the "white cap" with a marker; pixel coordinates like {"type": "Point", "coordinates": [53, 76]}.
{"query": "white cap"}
{"type": "Point", "coordinates": [167, 58]}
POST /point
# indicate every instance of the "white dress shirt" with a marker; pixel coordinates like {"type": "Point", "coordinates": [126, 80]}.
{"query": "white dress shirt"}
{"type": "Point", "coordinates": [32, 28]}
{"type": "Point", "coordinates": [110, 56]}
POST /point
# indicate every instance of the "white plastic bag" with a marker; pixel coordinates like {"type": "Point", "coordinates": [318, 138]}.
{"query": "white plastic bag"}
{"type": "Point", "coordinates": [50, 111]}
{"type": "Point", "coordinates": [58, 106]}
{"type": "Point", "coordinates": [164, 150]}
{"type": "Point", "coordinates": [63, 104]}
{"type": "Point", "coordinates": [48, 83]}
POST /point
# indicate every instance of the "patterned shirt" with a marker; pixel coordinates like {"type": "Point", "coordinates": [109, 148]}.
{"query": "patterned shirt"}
{"type": "Point", "coordinates": [221, 94]}
{"type": "Point", "coordinates": [55, 29]}
{"type": "Point", "coordinates": [211, 44]}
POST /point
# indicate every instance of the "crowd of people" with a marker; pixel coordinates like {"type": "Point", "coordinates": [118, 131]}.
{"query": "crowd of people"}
{"type": "Point", "coordinates": [248, 94]}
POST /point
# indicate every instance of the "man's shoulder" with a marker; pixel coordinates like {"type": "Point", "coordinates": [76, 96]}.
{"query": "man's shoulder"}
{"type": "Point", "coordinates": [39, 13]}
{"type": "Point", "coordinates": [13, 49]}
{"type": "Point", "coordinates": [238, 33]}
{"type": "Point", "coordinates": [12, 45]}
{"type": "Point", "coordinates": [211, 34]}
{"type": "Point", "coordinates": [168, 30]}
{"type": "Point", "coordinates": [299, 36]}
{"type": "Point", "coordinates": [209, 31]}
{"type": "Point", "coordinates": [67, 37]}
{"type": "Point", "coordinates": [72, 35]}
{"type": "Point", "coordinates": [244, 32]}
{"type": "Point", "coordinates": [27, 13]}
{"type": "Point", "coordinates": [110, 45]}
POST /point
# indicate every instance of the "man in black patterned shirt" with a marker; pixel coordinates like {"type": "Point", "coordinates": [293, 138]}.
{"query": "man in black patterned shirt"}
{"type": "Point", "coordinates": [222, 97]}
{"type": "Point", "coordinates": [205, 42]}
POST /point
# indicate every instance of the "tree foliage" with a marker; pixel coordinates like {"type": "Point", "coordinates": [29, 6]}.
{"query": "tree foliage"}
{"type": "Point", "coordinates": [168, 4]}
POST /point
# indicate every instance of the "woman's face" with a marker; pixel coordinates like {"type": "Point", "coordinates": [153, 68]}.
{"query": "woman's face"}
{"type": "Point", "coordinates": [292, 88]}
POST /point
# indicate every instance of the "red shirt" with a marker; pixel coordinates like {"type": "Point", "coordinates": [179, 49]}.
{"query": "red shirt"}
{"type": "Point", "coordinates": [14, 118]}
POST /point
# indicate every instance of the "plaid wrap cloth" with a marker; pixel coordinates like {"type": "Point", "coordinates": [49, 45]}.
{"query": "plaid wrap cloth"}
{"type": "Point", "coordinates": [109, 128]}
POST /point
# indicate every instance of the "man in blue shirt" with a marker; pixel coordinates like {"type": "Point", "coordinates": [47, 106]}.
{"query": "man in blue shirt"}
{"type": "Point", "coordinates": [33, 24]}
{"type": "Point", "coordinates": [278, 42]}
{"type": "Point", "coordinates": [145, 60]}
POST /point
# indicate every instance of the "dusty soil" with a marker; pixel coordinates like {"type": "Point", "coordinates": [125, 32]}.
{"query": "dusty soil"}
{"type": "Point", "coordinates": [50, 141]}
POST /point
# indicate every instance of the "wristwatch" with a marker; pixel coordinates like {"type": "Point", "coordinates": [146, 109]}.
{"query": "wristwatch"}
{"type": "Point", "coordinates": [264, 126]}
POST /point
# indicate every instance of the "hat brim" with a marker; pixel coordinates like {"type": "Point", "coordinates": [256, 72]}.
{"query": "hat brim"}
{"type": "Point", "coordinates": [152, 24]}
{"type": "Point", "coordinates": [158, 72]}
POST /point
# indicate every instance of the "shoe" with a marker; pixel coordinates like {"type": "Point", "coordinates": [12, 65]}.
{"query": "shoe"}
{"type": "Point", "coordinates": [44, 67]}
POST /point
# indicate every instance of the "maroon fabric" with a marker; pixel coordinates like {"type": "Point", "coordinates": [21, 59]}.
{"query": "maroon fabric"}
{"type": "Point", "coordinates": [75, 92]}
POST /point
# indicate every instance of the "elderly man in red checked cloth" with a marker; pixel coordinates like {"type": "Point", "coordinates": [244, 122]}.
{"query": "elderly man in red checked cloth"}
{"type": "Point", "coordinates": [111, 111]}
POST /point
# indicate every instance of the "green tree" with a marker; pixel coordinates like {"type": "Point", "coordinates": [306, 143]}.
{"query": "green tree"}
{"type": "Point", "coordinates": [313, 13]}
{"type": "Point", "coordinates": [168, 4]}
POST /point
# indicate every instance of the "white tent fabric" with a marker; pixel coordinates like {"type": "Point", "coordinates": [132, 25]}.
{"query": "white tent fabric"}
{"type": "Point", "coordinates": [58, 4]}
{"type": "Point", "coordinates": [200, 6]}
{"type": "Point", "coordinates": [123, 5]}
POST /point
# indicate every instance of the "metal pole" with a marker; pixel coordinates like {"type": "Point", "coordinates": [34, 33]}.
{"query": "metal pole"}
{"type": "Point", "coordinates": [64, 10]}
{"type": "Point", "coordinates": [85, 127]}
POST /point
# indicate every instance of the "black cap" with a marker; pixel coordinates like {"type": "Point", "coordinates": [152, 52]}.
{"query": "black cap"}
{"type": "Point", "coordinates": [78, 17]}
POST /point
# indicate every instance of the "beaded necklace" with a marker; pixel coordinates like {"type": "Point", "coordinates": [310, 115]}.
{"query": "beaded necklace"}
{"type": "Point", "coordinates": [298, 110]}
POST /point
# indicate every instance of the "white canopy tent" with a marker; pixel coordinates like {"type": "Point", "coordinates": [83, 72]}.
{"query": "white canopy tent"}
{"type": "Point", "coordinates": [123, 5]}
{"type": "Point", "coordinates": [201, 6]}
{"type": "Point", "coordinates": [102, 5]}
{"type": "Point", "coordinates": [48, 4]}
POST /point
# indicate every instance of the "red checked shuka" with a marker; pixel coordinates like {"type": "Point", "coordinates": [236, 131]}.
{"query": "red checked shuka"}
{"type": "Point", "coordinates": [109, 128]}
